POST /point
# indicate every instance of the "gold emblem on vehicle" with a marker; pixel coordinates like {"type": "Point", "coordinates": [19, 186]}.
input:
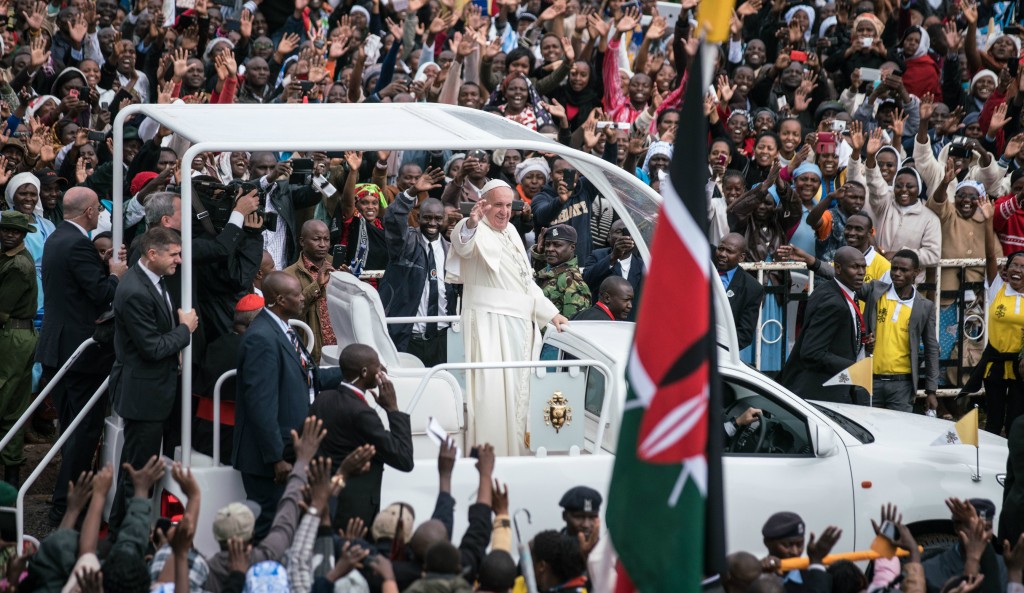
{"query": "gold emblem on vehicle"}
{"type": "Point", "coordinates": [557, 412]}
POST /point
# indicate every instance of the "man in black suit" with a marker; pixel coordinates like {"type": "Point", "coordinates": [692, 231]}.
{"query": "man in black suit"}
{"type": "Point", "coordinates": [614, 302]}
{"type": "Point", "coordinates": [744, 292]}
{"type": "Point", "coordinates": [78, 287]}
{"type": "Point", "coordinates": [833, 335]}
{"type": "Point", "coordinates": [621, 259]}
{"type": "Point", "coordinates": [276, 383]}
{"type": "Point", "coordinates": [413, 283]}
{"type": "Point", "coordinates": [351, 423]}
{"type": "Point", "coordinates": [149, 334]}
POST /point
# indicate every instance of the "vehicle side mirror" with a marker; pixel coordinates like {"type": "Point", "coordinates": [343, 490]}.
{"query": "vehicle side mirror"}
{"type": "Point", "coordinates": [824, 440]}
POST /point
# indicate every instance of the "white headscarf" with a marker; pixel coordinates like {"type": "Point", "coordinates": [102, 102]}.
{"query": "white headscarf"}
{"type": "Point", "coordinates": [924, 46]}
{"type": "Point", "coordinates": [657, 148]}
{"type": "Point", "coordinates": [810, 18]}
{"type": "Point", "coordinates": [979, 187]}
{"type": "Point", "coordinates": [530, 165]}
{"type": "Point", "coordinates": [825, 24]}
{"type": "Point", "coordinates": [17, 181]}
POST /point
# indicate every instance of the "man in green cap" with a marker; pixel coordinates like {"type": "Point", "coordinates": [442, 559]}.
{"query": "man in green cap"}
{"type": "Point", "coordinates": [18, 294]}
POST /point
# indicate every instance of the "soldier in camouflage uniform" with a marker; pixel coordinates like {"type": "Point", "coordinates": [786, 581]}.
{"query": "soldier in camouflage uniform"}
{"type": "Point", "coordinates": [561, 280]}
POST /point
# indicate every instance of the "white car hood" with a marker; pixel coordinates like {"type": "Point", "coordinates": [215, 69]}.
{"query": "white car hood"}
{"type": "Point", "coordinates": [916, 432]}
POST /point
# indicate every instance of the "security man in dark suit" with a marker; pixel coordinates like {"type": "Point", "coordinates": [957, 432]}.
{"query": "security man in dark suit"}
{"type": "Point", "coordinates": [833, 336]}
{"type": "Point", "coordinates": [614, 302]}
{"type": "Point", "coordinates": [744, 292]}
{"type": "Point", "coordinates": [621, 259]}
{"type": "Point", "coordinates": [413, 283]}
{"type": "Point", "coordinates": [149, 335]}
{"type": "Point", "coordinates": [78, 287]}
{"type": "Point", "coordinates": [351, 423]}
{"type": "Point", "coordinates": [276, 382]}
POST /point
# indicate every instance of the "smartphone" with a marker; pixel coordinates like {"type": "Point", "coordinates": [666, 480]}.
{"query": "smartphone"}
{"type": "Point", "coordinates": [306, 87]}
{"type": "Point", "coordinates": [569, 177]}
{"type": "Point", "coordinates": [721, 160]}
{"type": "Point", "coordinates": [466, 207]}
{"type": "Point", "coordinates": [517, 205]}
{"type": "Point", "coordinates": [870, 74]}
{"type": "Point", "coordinates": [782, 103]}
{"type": "Point", "coordinates": [838, 125]}
{"type": "Point", "coordinates": [798, 56]}
{"type": "Point", "coordinates": [73, 92]}
{"type": "Point", "coordinates": [888, 531]}
{"type": "Point", "coordinates": [340, 257]}
{"type": "Point", "coordinates": [826, 138]}
{"type": "Point", "coordinates": [97, 136]}
{"type": "Point", "coordinates": [186, 4]}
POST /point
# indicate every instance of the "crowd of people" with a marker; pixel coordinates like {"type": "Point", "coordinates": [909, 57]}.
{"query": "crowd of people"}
{"type": "Point", "coordinates": [868, 140]}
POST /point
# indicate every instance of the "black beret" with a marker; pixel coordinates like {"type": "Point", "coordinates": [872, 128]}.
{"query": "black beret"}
{"type": "Point", "coordinates": [985, 507]}
{"type": "Point", "coordinates": [581, 498]}
{"type": "Point", "coordinates": [783, 525]}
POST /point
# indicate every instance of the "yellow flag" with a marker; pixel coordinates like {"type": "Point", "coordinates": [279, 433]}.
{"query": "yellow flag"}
{"type": "Point", "coordinates": [967, 428]}
{"type": "Point", "coordinates": [860, 373]}
{"type": "Point", "coordinates": [713, 16]}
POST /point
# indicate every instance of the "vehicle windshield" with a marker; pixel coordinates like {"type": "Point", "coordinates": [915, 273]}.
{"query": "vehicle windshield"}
{"type": "Point", "coordinates": [859, 432]}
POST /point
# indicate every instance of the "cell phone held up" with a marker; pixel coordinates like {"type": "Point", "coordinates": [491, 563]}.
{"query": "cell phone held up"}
{"type": "Point", "coordinates": [569, 177]}
{"type": "Point", "coordinates": [340, 257]}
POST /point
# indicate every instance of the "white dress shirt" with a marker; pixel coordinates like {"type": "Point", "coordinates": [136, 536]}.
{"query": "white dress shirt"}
{"type": "Point", "coordinates": [155, 279]}
{"type": "Point", "coordinates": [854, 313]}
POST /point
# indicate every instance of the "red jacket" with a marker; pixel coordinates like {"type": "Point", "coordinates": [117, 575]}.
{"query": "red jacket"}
{"type": "Point", "coordinates": [921, 75]}
{"type": "Point", "coordinates": [1008, 223]}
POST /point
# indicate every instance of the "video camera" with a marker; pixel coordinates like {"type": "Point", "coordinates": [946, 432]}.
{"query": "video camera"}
{"type": "Point", "coordinates": [218, 200]}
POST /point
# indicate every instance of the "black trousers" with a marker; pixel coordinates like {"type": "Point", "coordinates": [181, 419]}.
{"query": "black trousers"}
{"type": "Point", "coordinates": [1004, 400]}
{"type": "Point", "coordinates": [142, 439]}
{"type": "Point", "coordinates": [266, 493]}
{"type": "Point", "coordinates": [433, 351]}
{"type": "Point", "coordinates": [79, 452]}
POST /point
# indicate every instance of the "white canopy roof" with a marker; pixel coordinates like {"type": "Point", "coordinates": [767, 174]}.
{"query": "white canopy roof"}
{"type": "Point", "coordinates": [381, 126]}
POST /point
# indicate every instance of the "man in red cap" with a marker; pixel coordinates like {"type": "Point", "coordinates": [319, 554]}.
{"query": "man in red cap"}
{"type": "Point", "coordinates": [221, 357]}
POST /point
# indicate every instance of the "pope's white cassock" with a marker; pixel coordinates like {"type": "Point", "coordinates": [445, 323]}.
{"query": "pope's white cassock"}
{"type": "Point", "coordinates": [502, 311]}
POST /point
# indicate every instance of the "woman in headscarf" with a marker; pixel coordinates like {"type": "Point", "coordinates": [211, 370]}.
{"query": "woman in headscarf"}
{"type": "Point", "coordinates": [581, 95]}
{"type": "Point", "coordinates": [452, 166]}
{"type": "Point", "coordinates": [659, 155]}
{"type": "Point", "coordinates": [22, 193]}
{"type": "Point", "coordinates": [233, 165]}
{"type": "Point", "coordinates": [803, 17]}
{"type": "Point", "coordinates": [920, 68]}
{"type": "Point", "coordinates": [807, 186]}
{"type": "Point", "coordinates": [531, 176]}
{"type": "Point", "coordinates": [517, 100]}
{"type": "Point", "coordinates": [983, 84]}
{"type": "Point", "coordinates": [866, 49]}
{"type": "Point", "coordinates": [367, 249]}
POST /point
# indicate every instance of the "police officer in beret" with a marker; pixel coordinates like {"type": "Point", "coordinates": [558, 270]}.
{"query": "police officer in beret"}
{"type": "Point", "coordinates": [939, 569]}
{"type": "Point", "coordinates": [783, 535]}
{"type": "Point", "coordinates": [581, 509]}
{"type": "Point", "coordinates": [561, 279]}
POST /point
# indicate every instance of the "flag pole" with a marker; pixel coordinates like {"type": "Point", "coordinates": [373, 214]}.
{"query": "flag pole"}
{"type": "Point", "coordinates": [977, 454]}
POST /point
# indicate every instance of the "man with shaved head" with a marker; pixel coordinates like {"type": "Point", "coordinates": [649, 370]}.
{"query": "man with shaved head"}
{"type": "Point", "coordinates": [742, 289]}
{"type": "Point", "coordinates": [413, 283]}
{"type": "Point", "coordinates": [78, 287]}
{"type": "Point", "coordinates": [614, 302]}
{"type": "Point", "coordinates": [833, 336]}
{"type": "Point", "coordinates": [276, 383]}
{"type": "Point", "coordinates": [351, 423]}
{"type": "Point", "coordinates": [313, 271]}
{"type": "Point", "coordinates": [503, 310]}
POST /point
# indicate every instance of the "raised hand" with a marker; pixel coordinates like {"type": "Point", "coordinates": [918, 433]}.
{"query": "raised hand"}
{"type": "Point", "coordinates": [429, 180]}
{"type": "Point", "coordinates": [818, 548]}
{"type": "Point", "coordinates": [245, 24]}
{"type": "Point", "coordinates": [999, 119]}
{"type": "Point", "coordinates": [36, 17]}
{"type": "Point", "coordinates": [629, 21]}
{"type": "Point", "coordinates": [875, 141]}
{"type": "Point", "coordinates": [38, 54]}
{"type": "Point", "coordinates": [899, 120]}
{"type": "Point", "coordinates": [144, 478]}
{"type": "Point", "coordinates": [308, 442]}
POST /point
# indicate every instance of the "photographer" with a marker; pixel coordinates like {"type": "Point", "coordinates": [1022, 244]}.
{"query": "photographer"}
{"type": "Point", "coordinates": [284, 198]}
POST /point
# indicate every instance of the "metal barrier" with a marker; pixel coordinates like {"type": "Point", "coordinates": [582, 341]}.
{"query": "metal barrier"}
{"type": "Point", "coordinates": [526, 364]}
{"type": "Point", "coordinates": [216, 414]}
{"type": "Point", "coordinates": [45, 461]}
{"type": "Point", "coordinates": [38, 401]}
{"type": "Point", "coordinates": [934, 289]}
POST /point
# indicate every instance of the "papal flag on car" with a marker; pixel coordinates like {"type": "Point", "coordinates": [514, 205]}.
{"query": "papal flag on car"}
{"type": "Point", "coordinates": [665, 511]}
{"type": "Point", "coordinates": [859, 373]}
{"type": "Point", "coordinates": [964, 432]}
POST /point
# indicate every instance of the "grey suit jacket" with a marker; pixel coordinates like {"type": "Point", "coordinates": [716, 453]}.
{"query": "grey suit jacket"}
{"type": "Point", "coordinates": [922, 328]}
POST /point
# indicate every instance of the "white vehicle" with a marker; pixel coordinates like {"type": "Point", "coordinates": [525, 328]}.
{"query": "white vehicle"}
{"type": "Point", "coordinates": [833, 464]}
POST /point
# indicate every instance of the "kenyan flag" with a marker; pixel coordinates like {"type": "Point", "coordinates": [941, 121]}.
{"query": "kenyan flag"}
{"type": "Point", "coordinates": [665, 501]}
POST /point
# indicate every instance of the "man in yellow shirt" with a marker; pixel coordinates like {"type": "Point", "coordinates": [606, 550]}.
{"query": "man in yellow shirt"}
{"type": "Point", "coordinates": [901, 319]}
{"type": "Point", "coordinates": [858, 232]}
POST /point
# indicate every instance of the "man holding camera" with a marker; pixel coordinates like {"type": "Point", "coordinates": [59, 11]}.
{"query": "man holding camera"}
{"type": "Point", "coordinates": [569, 199]}
{"type": "Point", "coordinates": [621, 259]}
{"type": "Point", "coordinates": [285, 195]}
{"type": "Point", "coordinates": [469, 182]}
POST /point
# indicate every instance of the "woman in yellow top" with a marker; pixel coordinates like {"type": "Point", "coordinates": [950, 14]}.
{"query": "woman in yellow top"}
{"type": "Point", "coordinates": [1004, 386]}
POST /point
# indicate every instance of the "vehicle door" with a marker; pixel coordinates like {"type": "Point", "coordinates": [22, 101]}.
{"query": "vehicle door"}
{"type": "Point", "coordinates": [791, 462]}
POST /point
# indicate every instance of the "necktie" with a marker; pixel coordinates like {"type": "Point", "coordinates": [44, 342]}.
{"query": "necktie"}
{"type": "Point", "coordinates": [304, 359]}
{"type": "Point", "coordinates": [432, 295]}
{"type": "Point", "coordinates": [862, 336]}
{"type": "Point", "coordinates": [167, 300]}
